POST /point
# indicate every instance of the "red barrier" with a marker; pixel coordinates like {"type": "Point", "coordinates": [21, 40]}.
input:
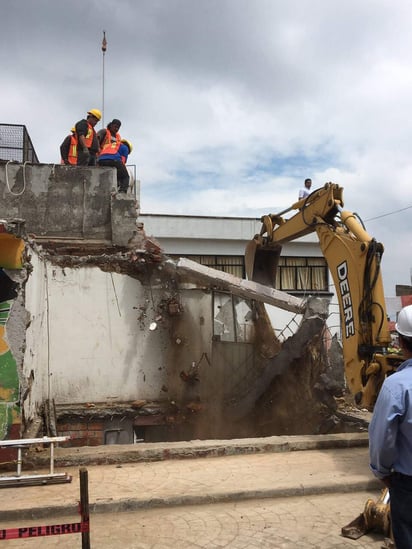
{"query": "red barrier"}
{"type": "Point", "coordinates": [82, 527]}
{"type": "Point", "coordinates": [49, 530]}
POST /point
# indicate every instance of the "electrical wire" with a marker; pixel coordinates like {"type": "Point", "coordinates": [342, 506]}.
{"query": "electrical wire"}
{"type": "Point", "coordinates": [389, 213]}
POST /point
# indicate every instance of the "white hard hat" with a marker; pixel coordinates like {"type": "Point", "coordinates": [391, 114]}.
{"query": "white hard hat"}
{"type": "Point", "coordinates": [404, 323]}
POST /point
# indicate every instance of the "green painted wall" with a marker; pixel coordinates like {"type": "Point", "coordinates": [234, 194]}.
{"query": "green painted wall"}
{"type": "Point", "coordinates": [9, 379]}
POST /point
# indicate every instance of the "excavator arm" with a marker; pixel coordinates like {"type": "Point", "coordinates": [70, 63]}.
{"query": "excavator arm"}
{"type": "Point", "coordinates": [354, 259]}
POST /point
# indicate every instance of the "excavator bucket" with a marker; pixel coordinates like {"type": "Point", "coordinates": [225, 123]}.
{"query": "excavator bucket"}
{"type": "Point", "coordinates": [375, 517]}
{"type": "Point", "coordinates": [261, 262]}
{"type": "Point", "coordinates": [355, 529]}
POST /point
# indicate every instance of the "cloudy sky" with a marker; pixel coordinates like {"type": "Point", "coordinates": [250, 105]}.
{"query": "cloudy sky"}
{"type": "Point", "coordinates": [230, 104]}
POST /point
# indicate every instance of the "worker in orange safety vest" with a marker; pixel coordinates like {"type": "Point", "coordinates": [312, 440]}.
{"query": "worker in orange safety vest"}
{"type": "Point", "coordinates": [88, 144]}
{"type": "Point", "coordinates": [115, 155]}
{"type": "Point", "coordinates": [110, 134]}
{"type": "Point", "coordinates": [68, 149]}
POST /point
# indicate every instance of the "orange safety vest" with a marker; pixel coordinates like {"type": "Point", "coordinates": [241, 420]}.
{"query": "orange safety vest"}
{"type": "Point", "coordinates": [72, 158]}
{"type": "Point", "coordinates": [110, 148]}
{"type": "Point", "coordinates": [108, 139]}
{"type": "Point", "coordinates": [89, 136]}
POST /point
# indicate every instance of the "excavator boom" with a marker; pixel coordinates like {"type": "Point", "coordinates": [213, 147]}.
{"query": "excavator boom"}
{"type": "Point", "coordinates": [263, 251]}
{"type": "Point", "coordinates": [353, 258]}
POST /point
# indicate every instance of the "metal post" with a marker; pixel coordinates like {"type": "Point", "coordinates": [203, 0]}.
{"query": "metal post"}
{"type": "Point", "coordinates": [84, 507]}
{"type": "Point", "coordinates": [104, 47]}
{"type": "Point", "coordinates": [19, 461]}
{"type": "Point", "coordinates": [51, 458]}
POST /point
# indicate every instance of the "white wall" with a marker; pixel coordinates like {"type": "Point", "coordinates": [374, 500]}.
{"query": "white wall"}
{"type": "Point", "coordinates": [215, 235]}
{"type": "Point", "coordinates": [85, 342]}
{"type": "Point", "coordinates": [89, 339]}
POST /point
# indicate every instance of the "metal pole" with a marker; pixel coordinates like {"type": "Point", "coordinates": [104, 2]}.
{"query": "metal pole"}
{"type": "Point", "coordinates": [52, 458]}
{"type": "Point", "coordinates": [19, 461]}
{"type": "Point", "coordinates": [104, 47]}
{"type": "Point", "coordinates": [84, 507]}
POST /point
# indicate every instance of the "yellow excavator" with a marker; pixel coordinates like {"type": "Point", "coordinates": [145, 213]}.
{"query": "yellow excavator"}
{"type": "Point", "coordinates": [11, 244]}
{"type": "Point", "coordinates": [353, 258]}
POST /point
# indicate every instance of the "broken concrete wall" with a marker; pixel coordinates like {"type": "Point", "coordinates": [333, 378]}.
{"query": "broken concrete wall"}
{"type": "Point", "coordinates": [105, 337]}
{"type": "Point", "coordinates": [104, 331]}
{"type": "Point", "coordinates": [89, 338]}
{"type": "Point", "coordinates": [66, 201]}
{"type": "Point", "coordinates": [96, 338]}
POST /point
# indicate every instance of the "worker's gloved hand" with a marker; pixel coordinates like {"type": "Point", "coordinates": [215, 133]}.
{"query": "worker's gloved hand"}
{"type": "Point", "coordinates": [86, 154]}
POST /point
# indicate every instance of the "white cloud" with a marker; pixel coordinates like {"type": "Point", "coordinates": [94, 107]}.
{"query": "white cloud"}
{"type": "Point", "coordinates": [230, 104]}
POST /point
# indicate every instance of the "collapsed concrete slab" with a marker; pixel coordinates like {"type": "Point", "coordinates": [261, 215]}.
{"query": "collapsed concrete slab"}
{"type": "Point", "coordinates": [248, 289]}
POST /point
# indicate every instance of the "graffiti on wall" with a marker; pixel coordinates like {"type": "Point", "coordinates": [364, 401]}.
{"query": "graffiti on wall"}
{"type": "Point", "coordinates": [11, 257]}
{"type": "Point", "coordinates": [9, 381]}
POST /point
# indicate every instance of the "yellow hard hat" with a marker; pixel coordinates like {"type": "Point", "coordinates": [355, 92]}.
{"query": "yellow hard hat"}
{"type": "Point", "coordinates": [128, 144]}
{"type": "Point", "coordinates": [96, 113]}
{"type": "Point", "coordinates": [73, 130]}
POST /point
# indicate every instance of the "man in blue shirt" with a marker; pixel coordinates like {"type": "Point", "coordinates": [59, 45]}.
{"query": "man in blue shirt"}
{"type": "Point", "coordinates": [390, 436]}
{"type": "Point", "coordinates": [116, 154]}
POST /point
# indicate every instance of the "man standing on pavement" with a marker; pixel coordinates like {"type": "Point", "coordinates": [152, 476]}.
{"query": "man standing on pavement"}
{"type": "Point", "coordinates": [88, 145]}
{"type": "Point", "coordinates": [110, 134]}
{"type": "Point", "coordinates": [390, 436]}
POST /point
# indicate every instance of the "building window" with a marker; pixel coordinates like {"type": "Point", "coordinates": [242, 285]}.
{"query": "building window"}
{"type": "Point", "coordinates": [232, 319]}
{"type": "Point", "coordinates": [302, 274]}
{"type": "Point", "coordinates": [232, 264]}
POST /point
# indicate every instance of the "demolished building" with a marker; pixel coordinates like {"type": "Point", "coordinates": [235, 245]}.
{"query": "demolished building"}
{"type": "Point", "coordinates": [106, 339]}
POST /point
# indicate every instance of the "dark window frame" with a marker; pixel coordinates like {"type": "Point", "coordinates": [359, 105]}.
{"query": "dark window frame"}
{"type": "Point", "coordinates": [310, 264]}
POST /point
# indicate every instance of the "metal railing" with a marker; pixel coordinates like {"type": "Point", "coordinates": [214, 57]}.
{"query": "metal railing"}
{"type": "Point", "coordinates": [16, 145]}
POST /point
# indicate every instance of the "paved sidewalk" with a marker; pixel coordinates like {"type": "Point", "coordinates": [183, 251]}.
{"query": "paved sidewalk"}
{"type": "Point", "coordinates": [301, 522]}
{"type": "Point", "coordinates": [135, 485]}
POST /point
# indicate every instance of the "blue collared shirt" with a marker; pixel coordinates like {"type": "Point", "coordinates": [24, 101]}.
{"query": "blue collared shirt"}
{"type": "Point", "coordinates": [122, 152]}
{"type": "Point", "coordinates": [390, 431]}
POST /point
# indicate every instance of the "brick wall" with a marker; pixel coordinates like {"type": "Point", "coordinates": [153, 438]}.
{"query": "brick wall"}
{"type": "Point", "coordinates": [82, 433]}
